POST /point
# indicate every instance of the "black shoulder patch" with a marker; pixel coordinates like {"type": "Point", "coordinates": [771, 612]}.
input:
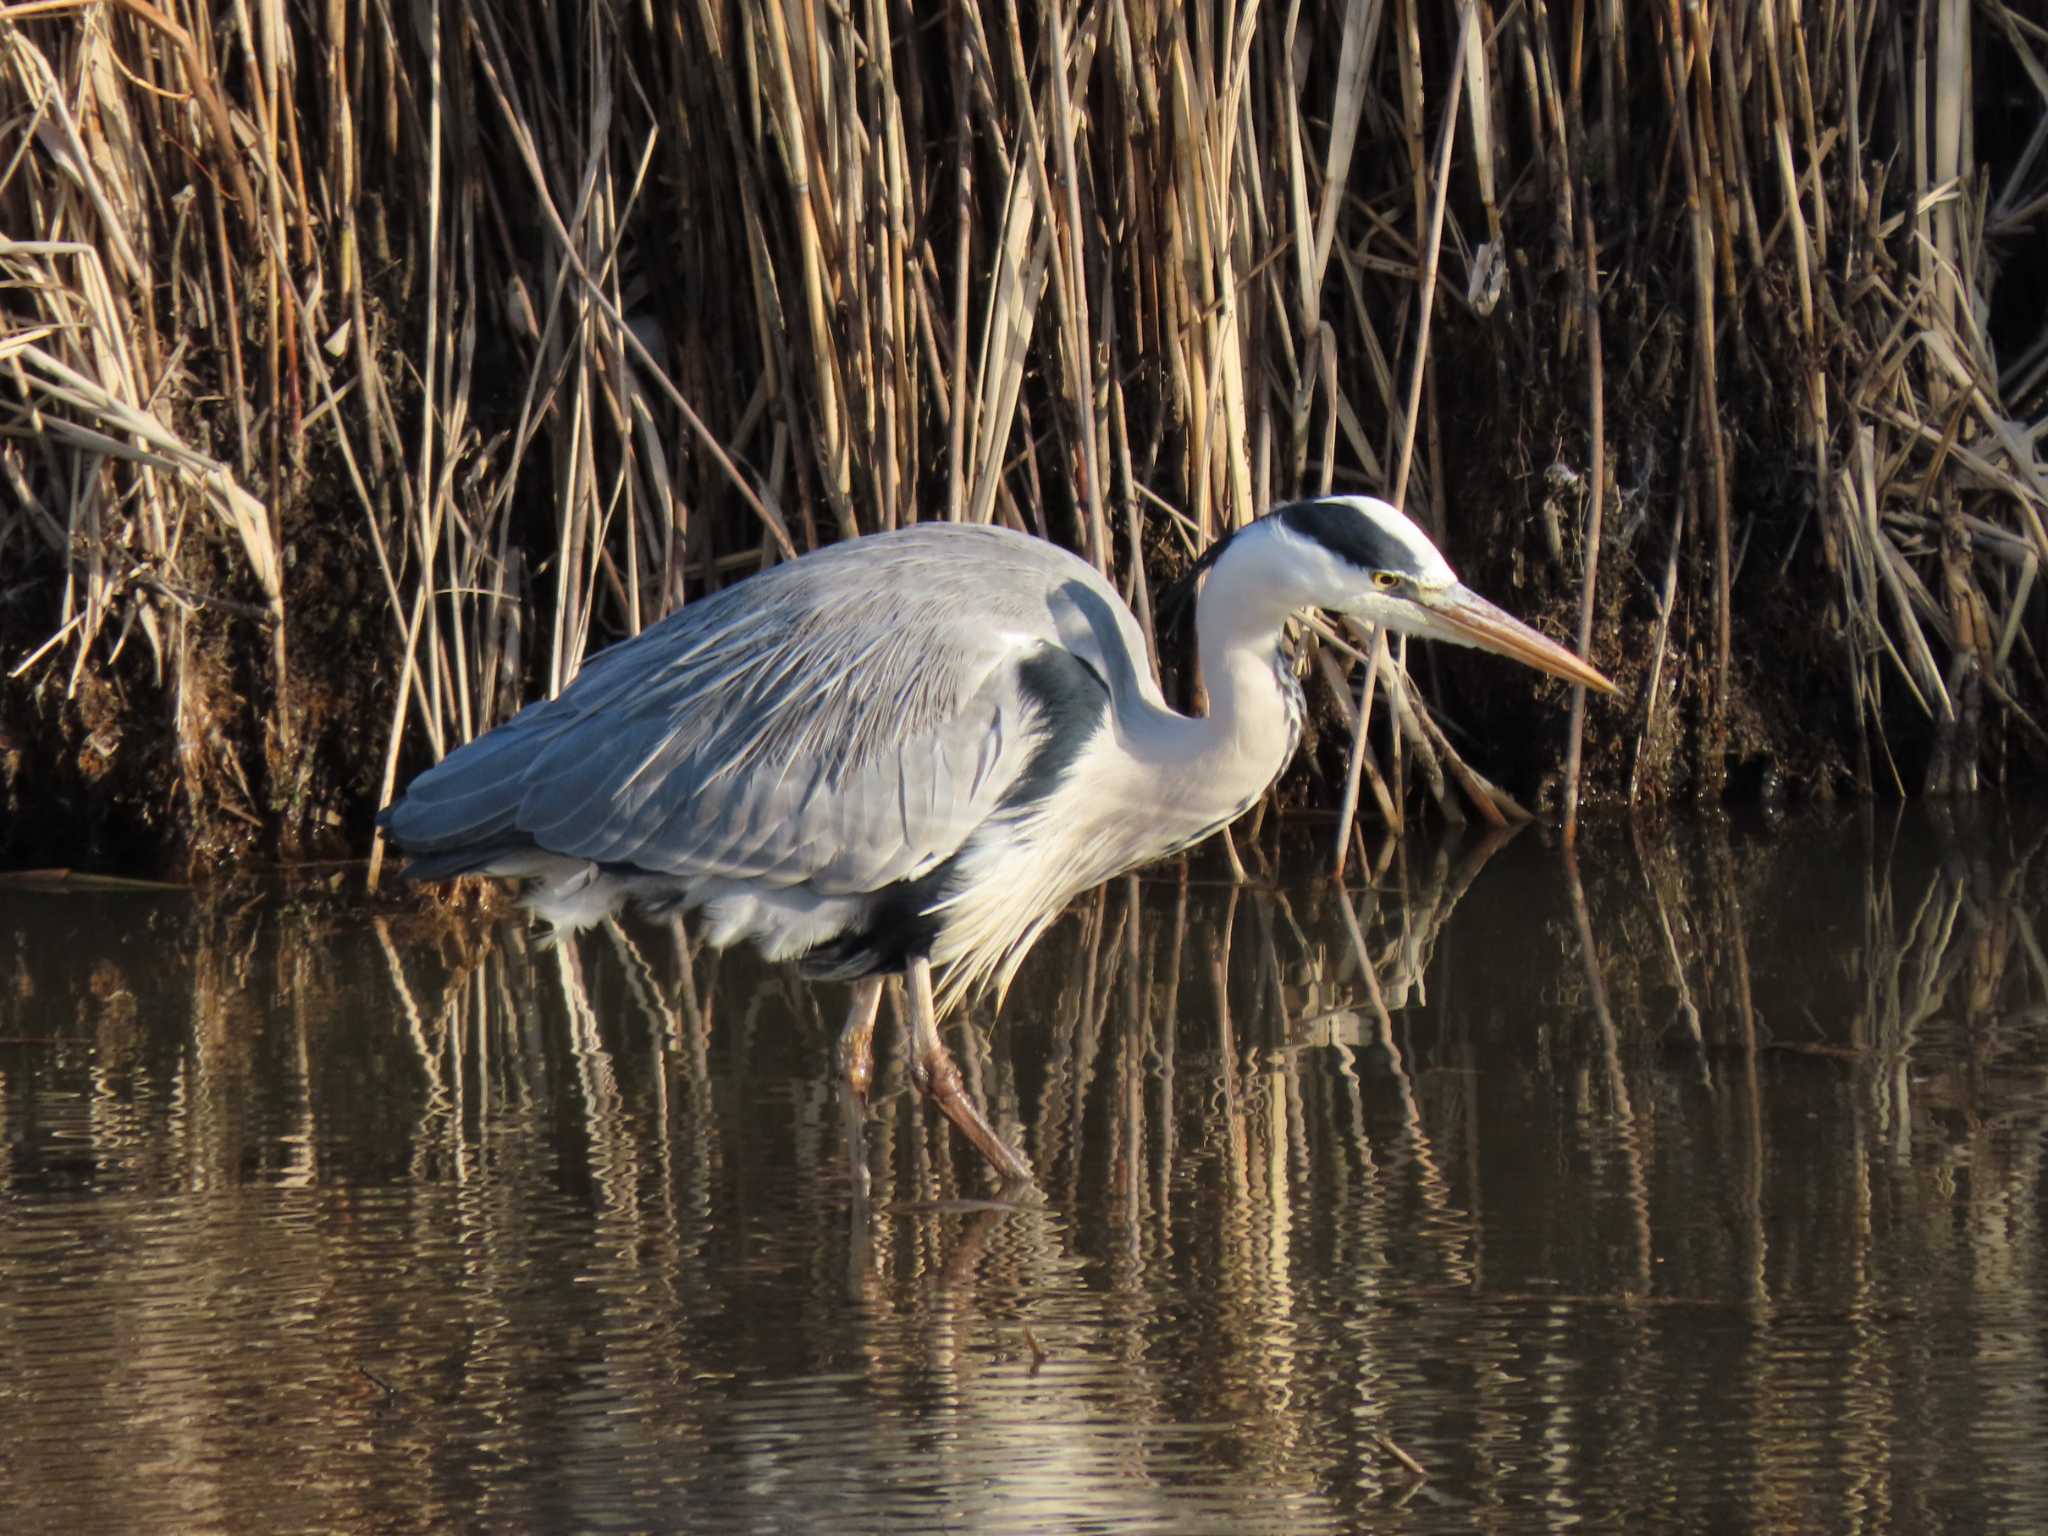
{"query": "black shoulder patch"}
{"type": "Point", "coordinates": [1071, 702]}
{"type": "Point", "coordinates": [1348, 534]}
{"type": "Point", "coordinates": [903, 920]}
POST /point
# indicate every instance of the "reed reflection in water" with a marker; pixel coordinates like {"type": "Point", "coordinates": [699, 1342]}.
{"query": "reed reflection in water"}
{"type": "Point", "coordinates": [1695, 1185]}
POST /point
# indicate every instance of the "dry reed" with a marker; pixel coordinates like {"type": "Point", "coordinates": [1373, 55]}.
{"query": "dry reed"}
{"type": "Point", "coordinates": [450, 348]}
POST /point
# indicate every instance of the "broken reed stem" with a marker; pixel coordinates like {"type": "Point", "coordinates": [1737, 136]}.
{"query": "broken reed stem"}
{"type": "Point", "coordinates": [1361, 745]}
{"type": "Point", "coordinates": [1596, 408]}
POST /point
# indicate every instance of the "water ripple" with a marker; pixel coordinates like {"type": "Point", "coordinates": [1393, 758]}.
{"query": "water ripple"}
{"type": "Point", "coordinates": [1698, 1188]}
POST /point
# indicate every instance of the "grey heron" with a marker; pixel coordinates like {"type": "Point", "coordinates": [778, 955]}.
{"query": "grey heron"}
{"type": "Point", "coordinates": [909, 751]}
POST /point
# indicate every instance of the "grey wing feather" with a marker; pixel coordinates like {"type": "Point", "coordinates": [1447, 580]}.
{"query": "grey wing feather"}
{"type": "Point", "coordinates": [843, 722]}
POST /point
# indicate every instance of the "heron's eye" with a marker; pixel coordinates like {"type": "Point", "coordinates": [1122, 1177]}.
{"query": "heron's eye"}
{"type": "Point", "coordinates": [1386, 581]}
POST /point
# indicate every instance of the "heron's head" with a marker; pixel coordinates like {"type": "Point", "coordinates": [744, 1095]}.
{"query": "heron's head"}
{"type": "Point", "coordinates": [1360, 556]}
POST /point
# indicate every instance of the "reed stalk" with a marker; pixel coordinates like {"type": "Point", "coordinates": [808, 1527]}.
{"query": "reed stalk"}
{"type": "Point", "coordinates": [359, 377]}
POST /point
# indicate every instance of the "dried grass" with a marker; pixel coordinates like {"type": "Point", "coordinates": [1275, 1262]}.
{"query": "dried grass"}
{"type": "Point", "coordinates": [570, 313]}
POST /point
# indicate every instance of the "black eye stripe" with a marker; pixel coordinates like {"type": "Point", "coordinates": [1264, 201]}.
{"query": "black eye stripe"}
{"type": "Point", "coordinates": [1349, 535]}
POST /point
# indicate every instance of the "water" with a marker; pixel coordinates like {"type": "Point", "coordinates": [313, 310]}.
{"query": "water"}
{"type": "Point", "coordinates": [320, 1217]}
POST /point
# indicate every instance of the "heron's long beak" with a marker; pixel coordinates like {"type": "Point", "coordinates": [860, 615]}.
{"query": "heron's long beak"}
{"type": "Point", "coordinates": [1460, 615]}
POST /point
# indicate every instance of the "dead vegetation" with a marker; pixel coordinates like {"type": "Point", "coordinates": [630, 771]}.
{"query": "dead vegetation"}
{"type": "Point", "coordinates": [361, 372]}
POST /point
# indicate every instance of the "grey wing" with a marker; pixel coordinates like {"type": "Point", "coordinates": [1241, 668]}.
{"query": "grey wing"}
{"type": "Point", "coordinates": [842, 722]}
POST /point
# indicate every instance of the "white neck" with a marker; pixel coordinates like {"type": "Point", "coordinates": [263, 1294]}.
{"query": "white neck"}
{"type": "Point", "coordinates": [1204, 770]}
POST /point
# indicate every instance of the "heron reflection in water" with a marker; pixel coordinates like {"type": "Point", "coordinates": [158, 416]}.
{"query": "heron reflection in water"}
{"type": "Point", "coordinates": [908, 752]}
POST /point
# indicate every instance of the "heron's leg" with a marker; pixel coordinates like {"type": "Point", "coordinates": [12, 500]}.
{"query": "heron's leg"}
{"type": "Point", "coordinates": [933, 1070]}
{"type": "Point", "coordinates": [855, 1055]}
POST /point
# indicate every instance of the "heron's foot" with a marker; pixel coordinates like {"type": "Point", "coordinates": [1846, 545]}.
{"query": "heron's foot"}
{"type": "Point", "coordinates": [858, 1076]}
{"type": "Point", "coordinates": [854, 1054]}
{"type": "Point", "coordinates": [938, 1079]}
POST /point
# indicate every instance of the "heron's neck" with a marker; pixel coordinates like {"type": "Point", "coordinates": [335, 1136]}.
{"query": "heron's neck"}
{"type": "Point", "coordinates": [1255, 704]}
{"type": "Point", "coordinates": [1211, 768]}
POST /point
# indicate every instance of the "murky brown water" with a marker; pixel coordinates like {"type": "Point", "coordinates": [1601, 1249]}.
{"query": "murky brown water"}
{"type": "Point", "coordinates": [311, 1221]}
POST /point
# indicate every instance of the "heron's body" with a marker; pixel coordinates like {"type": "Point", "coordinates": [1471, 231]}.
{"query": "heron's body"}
{"type": "Point", "coordinates": [923, 740]}
{"type": "Point", "coordinates": [913, 749]}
